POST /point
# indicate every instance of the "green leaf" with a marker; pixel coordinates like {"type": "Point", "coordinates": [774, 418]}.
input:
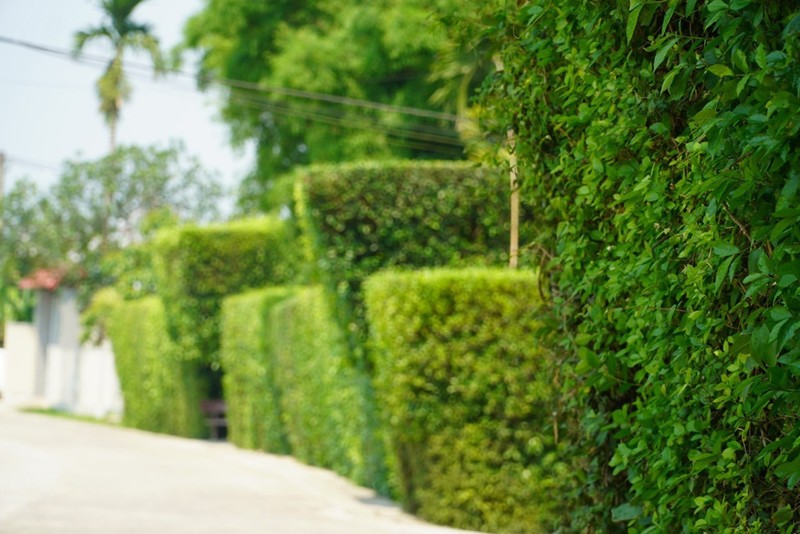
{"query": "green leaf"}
{"type": "Point", "coordinates": [669, 78]}
{"type": "Point", "coordinates": [625, 512]}
{"type": "Point", "coordinates": [793, 27]}
{"type": "Point", "coordinates": [782, 515]}
{"type": "Point", "coordinates": [716, 5]}
{"type": "Point", "coordinates": [761, 57]}
{"type": "Point", "coordinates": [722, 270]}
{"type": "Point", "coordinates": [720, 70]}
{"type": "Point", "coordinates": [668, 16]}
{"type": "Point", "coordinates": [737, 5]}
{"type": "Point", "coordinates": [725, 249]}
{"type": "Point", "coordinates": [633, 19]}
{"type": "Point", "coordinates": [704, 116]}
{"type": "Point", "coordinates": [789, 470]}
{"type": "Point", "coordinates": [662, 53]}
{"type": "Point", "coordinates": [762, 350]}
{"type": "Point", "coordinates": [779, 313]}
{"type": "Point", "coordinates": [739, 59]}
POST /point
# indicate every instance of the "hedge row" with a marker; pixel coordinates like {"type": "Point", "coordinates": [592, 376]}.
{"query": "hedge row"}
{"type": "Point", "coordinates": [198, 266]}
{"type": "Point", "coordinates": [161, 391]}
{"type": "Point", "coordinates": [290, 386]}
{"type": "Point", "coordinates": [661, 140]}
{"type": "Point", "coordinates": [468, 398]}
{"type": "Point", "coordinates": [248, 359]}
{"type": "Point", "coordinates": [360, 218]}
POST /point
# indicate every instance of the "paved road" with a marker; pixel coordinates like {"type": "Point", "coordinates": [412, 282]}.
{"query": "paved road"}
{"type": "Point", "coordinates": [63, 476]}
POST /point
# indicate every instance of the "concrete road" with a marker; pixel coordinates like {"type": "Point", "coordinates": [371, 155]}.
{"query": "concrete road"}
{"type": "Point", "coordinates": [63, 476]}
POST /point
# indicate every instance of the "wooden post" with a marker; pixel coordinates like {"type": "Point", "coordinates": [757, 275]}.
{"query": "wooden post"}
{"type": "Point", "coordinates": [513, 255]}
{"type": "Point", "coordinates": [513, 249]}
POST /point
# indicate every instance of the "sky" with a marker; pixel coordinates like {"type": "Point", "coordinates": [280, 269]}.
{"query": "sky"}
{"type": "Point", "coordinates": [49, 108]}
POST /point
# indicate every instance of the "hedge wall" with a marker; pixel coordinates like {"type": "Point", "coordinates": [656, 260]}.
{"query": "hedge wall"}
{"type": "Point", "coordinates": [198, 266]}
{"type": "Point", "coordinates": [161, 390]}
{"type": "Point", "coordinates": [661, 139]}
{"type": "Point", "coordinates": [248, 360]}
{"type": "Point", "coordinates": [359, 218]}
{"type": "Point", "coordinates": [325, 402]}
{"type": "Point", "coordinates": [467, 395]}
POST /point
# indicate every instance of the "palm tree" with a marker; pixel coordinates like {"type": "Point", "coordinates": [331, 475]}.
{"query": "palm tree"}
{"type": "Point", "coordinates": [123, 33]}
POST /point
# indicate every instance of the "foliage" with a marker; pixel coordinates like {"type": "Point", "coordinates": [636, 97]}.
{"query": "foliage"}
{"type": "Point", "coordinates": [325, 402]}
{"type": "Point", "coordinates": [198, 266]}
{"type": "Point", "coordinates": [247, 355]}
{"type": "Point", "coordinates": [467, 393]}
{"type": "Point", "coordinates": [659, 139]}
{"type": "Point", "coordinates": [122, 33]}
{"type": "Point", "coordinates": [359, 218]}
{"type": "Point", "coordinates": [383, 52]}
{"type": "Point", "coordinates": [98, 210]}
{"type": "Point", "coordinates": [160, 390]}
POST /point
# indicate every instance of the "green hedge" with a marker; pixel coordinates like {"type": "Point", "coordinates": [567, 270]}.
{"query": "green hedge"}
{"type": "Point", "coordinates": [359, 218]}
{"type": "Point", "coordinates": [661, 141]}
{"type": "Point", "coordinates": [325, 402]}
{"type": "Point", "coordinates": [248, 361]}
{"type": "Point", "coordinates": [161, 391]}
{"type": "Point", "coordinates": [467, 394]}
{"type": "Point", "coordinates": [198, 266]}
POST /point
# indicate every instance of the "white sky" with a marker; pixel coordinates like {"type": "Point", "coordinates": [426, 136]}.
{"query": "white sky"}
{"type": "Point", "coordinates": [48, 105]}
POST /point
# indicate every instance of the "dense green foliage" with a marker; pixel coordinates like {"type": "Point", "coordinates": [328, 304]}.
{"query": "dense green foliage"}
{"type": "Point", "coordinates": [198, 266]}
{"type": "Point", "coordinates": [388, 52]}
{"type": "Point", "coordinates": [247, 355]}
{"type": "Point", "coordinates": [290, 387]}
{"type": "Point", "coordinates": [161, 391]}
{"type": "Point", "coordinates": [325, 401]}
{"type": "Point", "coordinates": [660, 140]}
{"type": "Point", "coordinates": [467, 395]}
{"type": "Point", "coordinates": [359, 218]}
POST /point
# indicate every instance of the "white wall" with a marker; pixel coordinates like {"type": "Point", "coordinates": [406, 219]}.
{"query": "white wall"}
{"type": "Point", "coordinates": [21, 364]}
{"type": "Point", "coordinates": [2, 371]}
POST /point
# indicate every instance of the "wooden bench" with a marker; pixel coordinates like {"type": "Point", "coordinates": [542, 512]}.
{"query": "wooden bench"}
{"type": "Point", "coordinates": [214, 413]}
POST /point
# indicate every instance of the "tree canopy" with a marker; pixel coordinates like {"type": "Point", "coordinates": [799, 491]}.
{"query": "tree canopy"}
{"type": "Point", "coordinates": [91, 220]}
{"type": "Point", "coordinates": [383, 52]}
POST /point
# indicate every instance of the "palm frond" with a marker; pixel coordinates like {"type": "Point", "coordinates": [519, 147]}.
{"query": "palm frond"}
{"type": "Point", "coordinates": [84, 36]}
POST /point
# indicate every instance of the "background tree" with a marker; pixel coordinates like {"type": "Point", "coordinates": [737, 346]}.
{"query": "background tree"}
{"type": "Point", "coordinates": [98, 209]}
{"type": "Point", "coordinates": [122, 33]}
{"type": "Point", "coordinates": [383, 52]}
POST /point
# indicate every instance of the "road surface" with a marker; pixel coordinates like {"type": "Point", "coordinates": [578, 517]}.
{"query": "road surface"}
{"type": "Point", "coordinates": [64, 476]}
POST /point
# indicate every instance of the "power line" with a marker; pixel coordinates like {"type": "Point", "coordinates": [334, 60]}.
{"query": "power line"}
{"type": "Point", "coordinates": [239, 84]}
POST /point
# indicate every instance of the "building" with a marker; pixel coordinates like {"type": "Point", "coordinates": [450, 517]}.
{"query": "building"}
{"type": "Point", "coordinates": [46, 365]}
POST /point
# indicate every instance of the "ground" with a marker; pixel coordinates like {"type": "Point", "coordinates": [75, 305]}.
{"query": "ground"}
{"type": "Point", "coordinates": [64, 476]}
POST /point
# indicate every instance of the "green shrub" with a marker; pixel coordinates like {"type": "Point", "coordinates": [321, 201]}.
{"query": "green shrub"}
{"type": "Point", "coordinates": [466, 390]}
{"type": "Point", "coordinates": [661, 140]}
{"type": "Point", "coordinates": [161, 391]}
{"type": "Point", "coordinates": [198, 266]}
{"type": "Point", "coordinates": [325, 401]}
{"type": "Point", "coordinates": [360, 218]}
{"type": "Point", "coordinates": [248, 361]}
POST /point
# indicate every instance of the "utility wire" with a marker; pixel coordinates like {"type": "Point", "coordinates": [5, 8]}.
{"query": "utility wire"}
{"type": "Point", "coordinates": [239, 84]}
{"type": "Point", "coordinates": [337, 119]}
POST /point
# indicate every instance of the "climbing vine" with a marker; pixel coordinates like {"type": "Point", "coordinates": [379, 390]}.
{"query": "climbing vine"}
{"type": "Point", "coordinates": [658, 145]}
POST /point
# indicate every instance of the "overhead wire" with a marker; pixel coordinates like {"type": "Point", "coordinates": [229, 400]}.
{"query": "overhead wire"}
{"type": "Point", "coordinates": [240, 84]}
{"type": "Point", "coordinates": [416, 136]}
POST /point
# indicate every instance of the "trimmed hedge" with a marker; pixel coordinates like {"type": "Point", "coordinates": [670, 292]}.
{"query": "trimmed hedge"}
{"type": "Point", "coordinates": [198, 266]}
{"type": "Point", "coordinates": [248, 361]}
{"type": "Point", "coordinates": [467, 394]}
{"type": "Point", "coordinates": [325, 402]}
{"type": "Point", "coordinates": [360, 218]}
{"type": "Point", "coordinates": [161, 390]}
